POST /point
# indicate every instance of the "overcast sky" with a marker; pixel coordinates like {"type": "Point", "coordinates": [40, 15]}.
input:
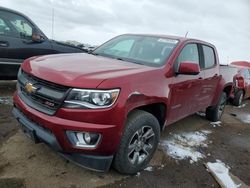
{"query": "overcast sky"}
{"type": "Point", "coordinates": [225, 23]}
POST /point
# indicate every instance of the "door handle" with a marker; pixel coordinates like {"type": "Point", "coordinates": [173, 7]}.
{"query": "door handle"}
{"type": "Point", "coordinates": [4, 44]}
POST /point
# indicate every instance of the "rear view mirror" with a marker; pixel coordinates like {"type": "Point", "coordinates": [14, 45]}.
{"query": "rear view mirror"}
{"type": "Point", "coordinates": [189, 68]}
{"type": "Point", "coordinates": [36, 36]}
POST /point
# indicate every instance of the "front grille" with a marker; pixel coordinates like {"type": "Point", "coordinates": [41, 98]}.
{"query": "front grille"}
{"type": "Point", "coordinates": [46, 98]}
{"type": "Point", "coordinates": [44, 82]}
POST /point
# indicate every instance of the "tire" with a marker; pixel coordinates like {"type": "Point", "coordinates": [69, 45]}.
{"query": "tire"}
{"type": "Point", "coordinates": [214, 113]}
{"type": "Point", "coordinates": [238, 98]}
{"type": "Point", "coordinates": [138, 143]}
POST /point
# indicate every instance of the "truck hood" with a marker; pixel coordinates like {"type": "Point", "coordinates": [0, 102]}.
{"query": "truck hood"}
{"type": "Point", "coordinates": [79, 70]}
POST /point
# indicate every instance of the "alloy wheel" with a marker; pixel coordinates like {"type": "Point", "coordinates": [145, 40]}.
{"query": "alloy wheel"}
{"type": "Point", "coordinates": [141, 145]}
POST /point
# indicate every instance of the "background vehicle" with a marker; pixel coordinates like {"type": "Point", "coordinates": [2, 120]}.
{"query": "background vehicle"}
{"type": "Point", "coordinates": [229, 73]}
{"type": "Point", "coordinates": [241, 82]}
{"type": "Point", "coordinates": [110, 106]}
{"type": "Point", "coordinates": [20, 39]}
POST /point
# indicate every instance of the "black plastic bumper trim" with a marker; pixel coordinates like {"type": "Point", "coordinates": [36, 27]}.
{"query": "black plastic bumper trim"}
{"type": "Point", "coordinates": [96, 163]}
{"type": "Point", "coordinates": [40, 132]}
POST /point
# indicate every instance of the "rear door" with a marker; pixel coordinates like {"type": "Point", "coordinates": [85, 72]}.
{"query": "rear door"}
{"type": "Point", "coordinates": [211, 74]}
{"type": "Point", "coordinates": [185, 89]}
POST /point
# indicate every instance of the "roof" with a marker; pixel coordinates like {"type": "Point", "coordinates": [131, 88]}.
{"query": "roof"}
{"type": "Point", "coordinates": [240, 64]}
{"type": "Point", "coordinates": [181, 39]}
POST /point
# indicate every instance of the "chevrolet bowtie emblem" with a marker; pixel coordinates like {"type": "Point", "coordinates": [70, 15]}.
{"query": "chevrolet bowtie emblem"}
{"type": "Point", "coordinates": [29, 88]}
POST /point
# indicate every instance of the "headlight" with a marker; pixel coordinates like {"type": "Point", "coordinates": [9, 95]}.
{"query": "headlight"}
{"type": "Point", "coordinates": [84, 98]}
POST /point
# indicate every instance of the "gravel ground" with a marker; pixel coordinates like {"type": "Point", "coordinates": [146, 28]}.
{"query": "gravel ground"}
{"type": "Point", "coordinates": [24, 164]}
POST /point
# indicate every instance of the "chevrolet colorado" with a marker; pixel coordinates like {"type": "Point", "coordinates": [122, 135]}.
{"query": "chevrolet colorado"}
{"type": "Point", "coordinates": [109, 107]}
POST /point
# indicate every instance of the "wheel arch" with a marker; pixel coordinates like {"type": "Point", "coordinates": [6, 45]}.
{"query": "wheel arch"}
{"type": "Point", "coordinates": [158, 110]}
{"type": "Point", "coordinates": [228, 89]}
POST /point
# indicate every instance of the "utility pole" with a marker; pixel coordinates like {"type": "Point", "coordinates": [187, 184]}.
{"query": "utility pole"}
{"type": "Point", "coordinates": [52, 21]}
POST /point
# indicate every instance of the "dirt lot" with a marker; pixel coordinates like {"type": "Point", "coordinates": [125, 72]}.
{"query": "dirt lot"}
{"type": "Point", "coordinates": [24, 164]}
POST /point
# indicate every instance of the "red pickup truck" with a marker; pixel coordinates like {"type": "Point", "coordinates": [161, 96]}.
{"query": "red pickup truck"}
{"type": "Point", "coordinates": [109, 107]}
{"type": "Point", "coordinates": [241, 82]}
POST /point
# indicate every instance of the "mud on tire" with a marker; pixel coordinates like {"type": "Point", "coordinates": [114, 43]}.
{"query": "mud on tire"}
{"type": "Point", "coordinates": [214, 113]}
{"type": "Point", "coordinates": [237, 101]}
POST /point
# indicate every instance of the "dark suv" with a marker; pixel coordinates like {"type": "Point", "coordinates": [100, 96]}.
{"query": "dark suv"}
{"type": "Point", "coordinates": [20, 39]}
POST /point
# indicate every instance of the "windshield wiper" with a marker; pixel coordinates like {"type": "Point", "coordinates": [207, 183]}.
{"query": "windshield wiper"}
{"type": "Point", "coordinates": [128, 60]}
{"type": "Point", "coordinates": [92, 53]}
{"type": "Point", "coordinates": [118, 58]}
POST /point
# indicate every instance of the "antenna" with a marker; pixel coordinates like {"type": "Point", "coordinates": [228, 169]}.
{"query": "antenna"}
{"type": "Point", "coordinates": [186, 34]}
{"type": "Point", "coordinates": [52, 21]}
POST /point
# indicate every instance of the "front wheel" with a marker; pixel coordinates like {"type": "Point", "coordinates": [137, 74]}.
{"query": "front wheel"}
{"type": "Point", "coordinates": [214, 113]}
{"type": "Point", "coordinates": [138, 143]}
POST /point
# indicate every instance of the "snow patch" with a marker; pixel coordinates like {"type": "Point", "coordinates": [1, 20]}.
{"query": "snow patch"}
{"type": "Point", "coordinates": [241, 106]}
{"type": "Point", "coordinates": [6, 100]}
{"type": "Point", "coordinates": [186, 145]}
{"type": "Point", "coordinates": [202, 114]}
{"type": "Point", "coordinates": [149, 168]}
{"type": "Point", "coordinates": [216, 124]}
{"type": "Point", "coordinates": [222, 172]}
{"type": "Point", "coordinates": [244, 117]}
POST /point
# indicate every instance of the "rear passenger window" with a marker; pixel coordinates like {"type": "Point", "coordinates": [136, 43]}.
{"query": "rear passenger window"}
{"type": "Point", "coordinates": [245, 73]}
{"type": "Point", "coordinates": [189, 53]}
{"type": "Point", "coordinates": [209, 57]}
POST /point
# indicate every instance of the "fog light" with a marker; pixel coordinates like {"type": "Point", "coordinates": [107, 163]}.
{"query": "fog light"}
{"type": "Point", "coordinates": [83, 139]}
{"type": "Point", "coordinates": [87, 138]}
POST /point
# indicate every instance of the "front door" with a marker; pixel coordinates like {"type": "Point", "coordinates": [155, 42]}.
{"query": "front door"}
{"type": "Point", "coordinates": [185, 89]}
{"type": "Point", "coordinates": [16, 41]}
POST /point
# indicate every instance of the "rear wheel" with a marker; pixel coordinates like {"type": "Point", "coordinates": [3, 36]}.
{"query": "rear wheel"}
{"type": "Point", "coordinates": [238, 98]}
{"type": "Point", "coordinates": [138, 143]}
{"type": "Point", "coordinates": [214, 113]}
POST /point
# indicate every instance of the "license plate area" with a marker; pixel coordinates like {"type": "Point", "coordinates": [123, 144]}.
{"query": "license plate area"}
{"type": "Point", "coordinates": [30, 133]}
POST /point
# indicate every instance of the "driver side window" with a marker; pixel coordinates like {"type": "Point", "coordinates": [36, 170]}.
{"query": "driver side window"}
{"type": "Point", "coordinates": [15, 23]}
{"type": "Point", "coordinates": [23, 27]}
{"type": "Point", "coordinates": [189, 53]}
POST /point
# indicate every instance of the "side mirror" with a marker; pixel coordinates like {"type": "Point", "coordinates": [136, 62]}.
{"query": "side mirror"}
{"type": "Point", "coordinates": [189, 68]}
{"type": "Point", "coordinates": [36, 36]}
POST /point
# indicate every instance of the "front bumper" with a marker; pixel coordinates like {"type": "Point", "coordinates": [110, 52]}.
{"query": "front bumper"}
{"type": "Point", "coordinates": [93, 162]}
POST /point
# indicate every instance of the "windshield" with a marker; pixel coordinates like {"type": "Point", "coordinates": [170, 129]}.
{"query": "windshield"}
{"type": "Point", "coordinates": [146, 50]}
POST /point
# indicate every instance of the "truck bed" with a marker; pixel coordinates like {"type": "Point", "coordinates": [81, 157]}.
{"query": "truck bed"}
{"type": "Point", "coordinates": [228, 73]}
